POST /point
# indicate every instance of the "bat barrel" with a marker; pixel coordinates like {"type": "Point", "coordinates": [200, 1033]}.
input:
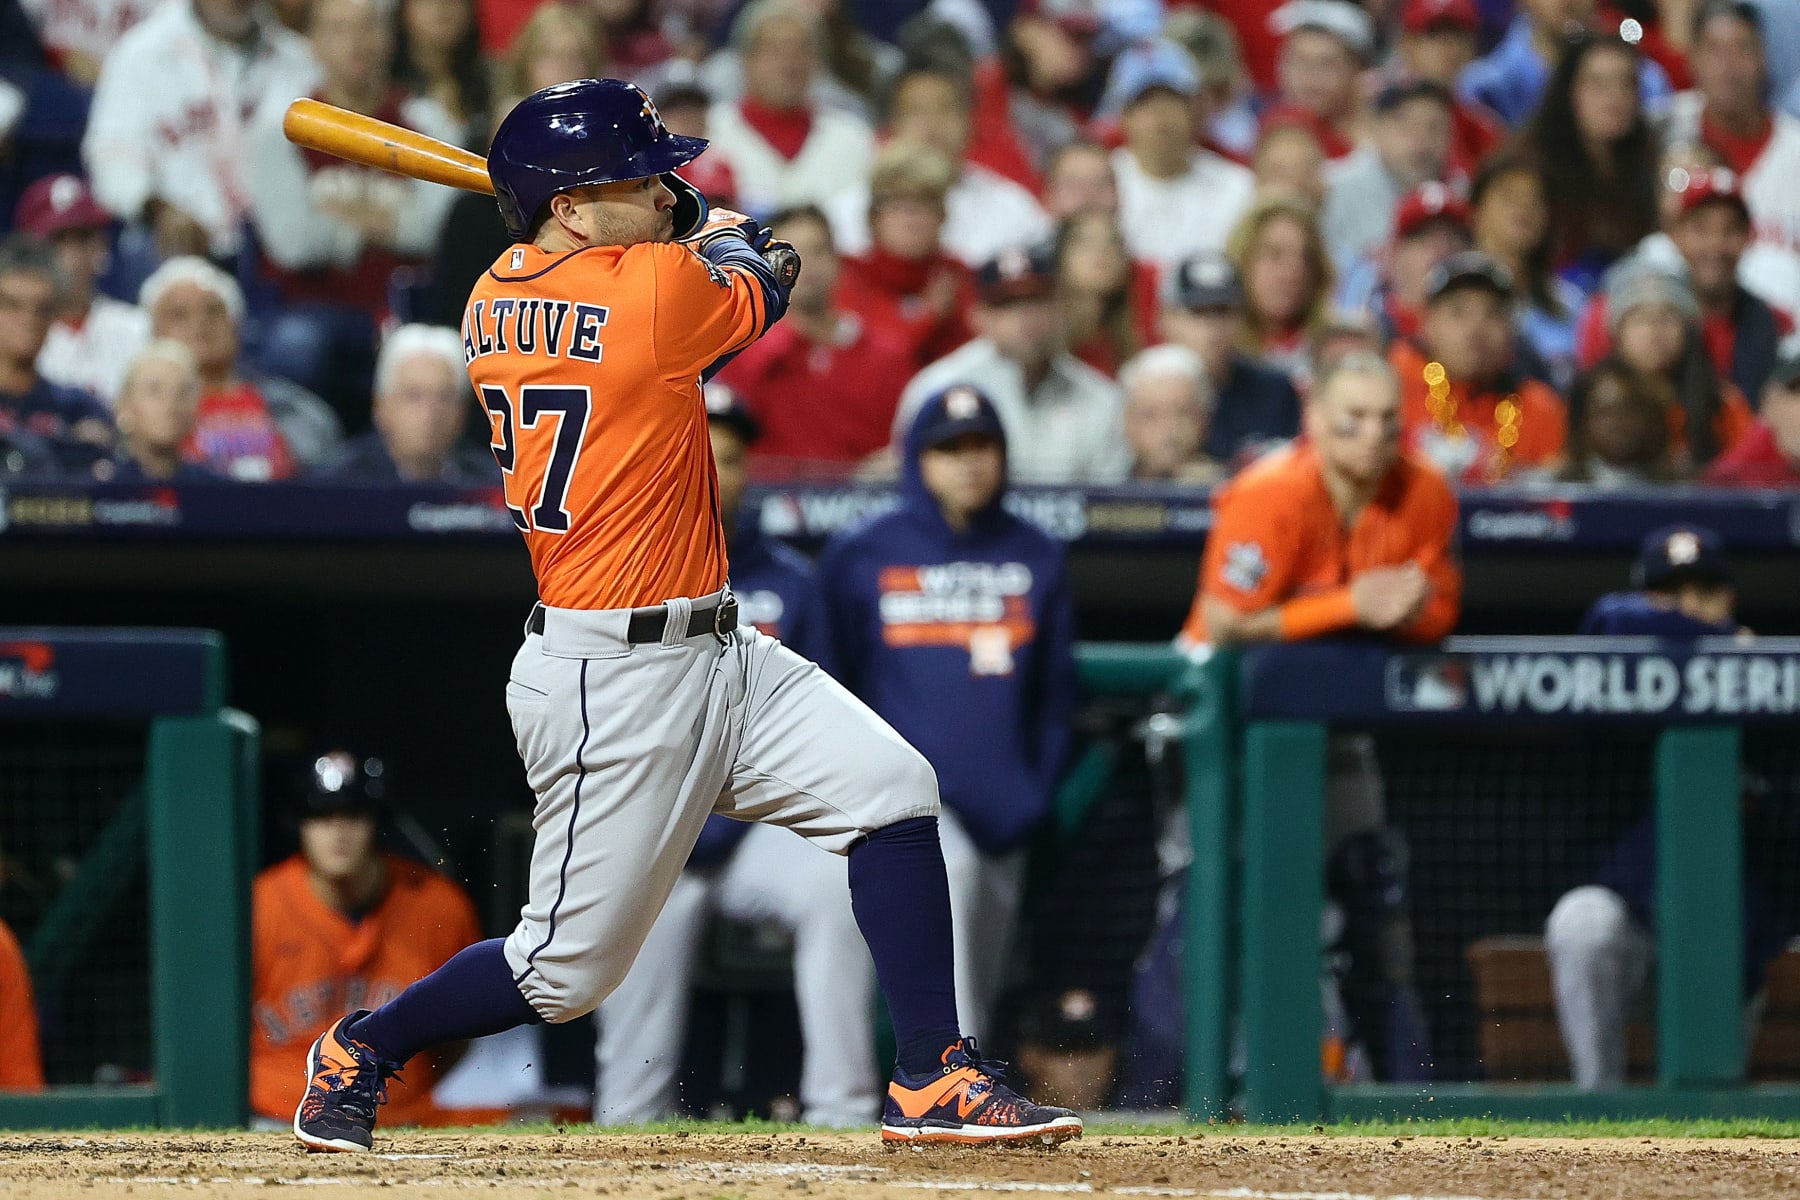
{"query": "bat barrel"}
{"type": "Point", "coordinates": [387, 147]}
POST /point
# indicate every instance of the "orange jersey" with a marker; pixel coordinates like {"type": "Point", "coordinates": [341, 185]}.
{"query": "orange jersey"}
{"type": "Point", "coordinates": [1277, 539]}
{"type": "Point", "coordinates": [588, 366]}
{"type": "Point", "coordinates": [21, 1069]}
{"type": "Point", "coordinates": [310, 965]}
{"type": "Point", "coordinates": [1477, 437]}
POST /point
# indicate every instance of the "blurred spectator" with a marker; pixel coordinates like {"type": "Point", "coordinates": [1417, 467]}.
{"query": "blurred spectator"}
{"type": "Point", "coordinates": [749, 872]}
{"type": "Point", "coordinates": [1598, 936]}
{"type": "Point", "coordinates": [344, 924]}
{"type": "Point", "coordinates": [782, 147]}
{"type": "Point", "coordinates": [1168, 403]}
{"type": "Point", "coordinates": [422, 403]}
{"type": "Point", "coordinates": [1344, 533]}
{"type": "Point", "coordinates": [155, 415]}
{"type": "Point", "coordinates": [632, 31]}
{"type": "Point", "coordinates": [79, 34]}
{"type": "Point", "coordinates": [1222, 106]}
{"type": "Point", "coordinates": [437, 56]}
{"type": "Point", "coordinates": [21, 1066]}
{"type": "Point", "coordinates": [334, 232]}
{"type": "Point", "coordinates": [1288, 162]}
{"type": "Point", "coordinates": [1655, 323]}
{"type": "Point", "coordinates": [907, 285]}
{"type": "Point", "coordinates": [824, 383]}
{"type": "Point", "coordinates": [1510, 217]}
{"type": "Point", "coordinates": [94, 336]}
{"type": "Point", "coordinates": [1108, 301]}
{"type": "Point", "coordinates": [857, 68]}
{"type": "Point", "coordinates": [952, 597]}
{"type": "Point", "coordinates": [170, 125]}
{"type": "Point", "coordinates": [1437, 41]}
{"type": "Point", "coordinates": [1619, 429]}
{"type": "Point", "coordinates": [1164, 178]}
{"type": "Point", "coordinates": [985, 212]}
{"type": "Point", "coordinates": [1429, 226]}
{"type": "Point", "coordinates": [1708, 235]}
{"type": "Point", "coordinates": [1408, 147]}
{"type": "Point", "coordinates": [1078, 177]}
{"type": "Point", "coordinates": [558, 43]}
{"type": "Point", "coordinates": [1598, 154]}
{"type": "Point", "coordinates": [248, 429]}
{"type": "Point", "coordinates": [684, 103]}
{"type": "Point", "coordinates": [1046, 80]}
{"type": "Point", "coordinates": [1280, 257]}
{"type": "Point", "coordinates": [1326, 45]}
{"type": "Point", "coordinates": [1729, 112]}
{"type": "Point", "coordinates": [1512, 78]}
{"type": "Point", "coordinates": [70, 424]}
{"type": "Point", "coordinates": [1062, 417]}
{"type": "Point", "coordinates": [1253, 406]}
{"type": "Point", "coordinates": [1467, 409]}
{"type": "Point", "coordinates": [1768, 454]}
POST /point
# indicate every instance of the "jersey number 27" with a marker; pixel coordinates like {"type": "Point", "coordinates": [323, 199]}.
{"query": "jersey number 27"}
{"type": "Point", "coordinates": [523, 426]}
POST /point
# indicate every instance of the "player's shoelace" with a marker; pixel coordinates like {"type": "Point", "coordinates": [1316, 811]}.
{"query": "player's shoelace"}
{"type": "Point", "coordinates": [355, 1089]}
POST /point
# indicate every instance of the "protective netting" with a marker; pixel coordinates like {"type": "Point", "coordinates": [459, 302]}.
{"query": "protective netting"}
{"type": "Point", "coordinates": [73, 890]}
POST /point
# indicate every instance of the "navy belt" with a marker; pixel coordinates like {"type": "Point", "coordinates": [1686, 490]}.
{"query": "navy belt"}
{"type": "Point", "coordinates": [648, 624]}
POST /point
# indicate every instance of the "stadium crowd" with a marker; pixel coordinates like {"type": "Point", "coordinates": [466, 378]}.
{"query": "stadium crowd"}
{"type": "Point", "coordinates": [1052, 241]}
{"type": "Point", "coordinates": [1141, 228]}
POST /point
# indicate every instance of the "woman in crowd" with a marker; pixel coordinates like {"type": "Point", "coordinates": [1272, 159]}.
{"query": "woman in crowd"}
{"type": "Point", "coordinates": [1598, 154]}
{"type": "Point", "coordinates": [1656, 329]}
{"type": "Point", "coordinates": [1280, 255]}
{"type": "Point", "coordinates": [1510, 218]}
{"type": "Point", "coordinates": [1290, 162]}
{"type": "Point", "coordinates": [1619, 422]}
{"type": "Point", "coordinates": [559, 43]}
{"type": "Point", "coordinates": [1108, 301]}
{"type": "Point", "coordinates": [437, 54]}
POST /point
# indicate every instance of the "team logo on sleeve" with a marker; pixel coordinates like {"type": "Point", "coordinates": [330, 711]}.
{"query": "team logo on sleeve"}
{"type": "Point", "coordinates": [1245, 566]}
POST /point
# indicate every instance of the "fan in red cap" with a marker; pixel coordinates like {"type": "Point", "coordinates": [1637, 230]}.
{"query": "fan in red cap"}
{"type": "Point", "coordinates": [1438, 38]}
{"type": "Point", "coordinates": [1430, 225]}
{"type": "Point", "coordinates": [95, 337]}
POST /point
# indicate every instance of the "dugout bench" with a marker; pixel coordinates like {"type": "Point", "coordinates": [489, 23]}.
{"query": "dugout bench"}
{"type": "Point", "coordinates": [190, 819]}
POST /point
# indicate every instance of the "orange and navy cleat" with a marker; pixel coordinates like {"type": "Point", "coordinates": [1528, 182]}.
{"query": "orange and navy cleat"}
{"type": "Point", "coordinates": [966, 1102]}
{"type": "Point", "coordinates": [345, 1083]}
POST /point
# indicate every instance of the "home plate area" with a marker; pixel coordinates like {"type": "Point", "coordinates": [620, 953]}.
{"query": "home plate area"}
{"type": "Point", "coordinates": [695, 1166]}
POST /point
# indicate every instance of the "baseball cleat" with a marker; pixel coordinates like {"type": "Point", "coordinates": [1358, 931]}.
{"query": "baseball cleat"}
{"type": "Point", "coordinates": [967, 1103]}
{"type": "Point", "coordinates": [345, 1083]}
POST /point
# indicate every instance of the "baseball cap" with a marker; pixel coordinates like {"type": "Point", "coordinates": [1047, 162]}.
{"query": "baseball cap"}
{"type": "Point", "coordinates": [1341, 19]}
{"type": "Point", "coordinates": [1425, 204]}
{"type": "Point", "coordinates": [1716, 186]}
{"type": "Point", "coordinates": [1647, 283]}
{"type": "Point", "coordinates": [1141, 69]}
{"type": "Point", "coordinates": [724, 407]}
{"type": "Point", "coordinates": [58, 203]}
{"type": "Point", "coordinates": [1205, 281]}
{"type": "Point", "coordinates": [1429, 16]}
{"type": "Point", "coordinates": [1401, 89]}
{"type": "Point", "coordinates": [1680, 552]}
{"type": "Point", "coordinates": [1016, 274]}
{"type": "Point", "coordinates": [1467, 269]}
{"type": "Point", "coordinates": [339, 782]}
{"type": "Point", "coordinates": [956, 410]}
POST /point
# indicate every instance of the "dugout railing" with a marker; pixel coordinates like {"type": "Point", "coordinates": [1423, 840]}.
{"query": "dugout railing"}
{"type": "Point", "coordinates": [1253, 945]}
{"type": "Point", "coordinates": [189, 821]}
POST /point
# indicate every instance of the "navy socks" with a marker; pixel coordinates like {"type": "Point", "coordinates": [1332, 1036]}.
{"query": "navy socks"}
{"type": "Point", "coordinates": [902, 903]}
{"type": "Point", "coordinates": [470, 996]}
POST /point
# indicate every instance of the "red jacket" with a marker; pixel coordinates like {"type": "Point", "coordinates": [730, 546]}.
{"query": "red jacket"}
{"type": "Point", "coordinates": [1756, 461]}
{"type": "Point", "coordinates": [887, 293]}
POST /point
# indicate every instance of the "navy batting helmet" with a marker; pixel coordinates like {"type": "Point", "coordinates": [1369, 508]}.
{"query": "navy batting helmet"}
{"type": "Point", "coordinates": [581, 133]}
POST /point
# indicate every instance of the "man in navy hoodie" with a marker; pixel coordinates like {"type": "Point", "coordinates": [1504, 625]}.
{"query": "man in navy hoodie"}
{"type": "Point", "coordinates": [951, 618]}
{"type": "Point", "coordinates": [749, 872]}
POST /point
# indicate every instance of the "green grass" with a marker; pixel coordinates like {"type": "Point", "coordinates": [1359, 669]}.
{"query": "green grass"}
{"type": "Point", "coordinates": [1465, 1127]}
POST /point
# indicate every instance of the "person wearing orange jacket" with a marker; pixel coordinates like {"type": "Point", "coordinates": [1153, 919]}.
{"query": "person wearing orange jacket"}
{"type": "Point", "coordinates": [343, 925]}
{"type": "Point", "coordinates": [1466, 407]}
{"type": "Point", "coordinates": [21, 1067]}
{"type": "Point", "coordinates": [1345, 532]}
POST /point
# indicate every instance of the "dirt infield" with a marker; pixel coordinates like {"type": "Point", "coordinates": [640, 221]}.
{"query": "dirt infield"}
{"type": "Point", "coordinates": [763, 1167]}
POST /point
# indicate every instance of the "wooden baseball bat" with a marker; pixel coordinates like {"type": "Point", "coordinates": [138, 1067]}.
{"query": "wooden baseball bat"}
{"type": "Point", "coordinates": [352, 136]}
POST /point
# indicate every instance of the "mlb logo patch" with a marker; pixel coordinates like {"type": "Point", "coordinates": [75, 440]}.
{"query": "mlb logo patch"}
{"type": "Point", "coordinates": [518, 258]}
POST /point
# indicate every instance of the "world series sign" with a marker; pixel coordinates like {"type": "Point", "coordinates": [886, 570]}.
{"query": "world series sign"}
{"type": "Point", "coordinates": [1642, 679]}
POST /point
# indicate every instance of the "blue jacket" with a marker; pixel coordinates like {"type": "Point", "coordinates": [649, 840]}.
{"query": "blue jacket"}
{"type": "Point", "coordinates": [774, 588]}
{"type": "Point", "coordinates": [1256, 406]}
{"type": "Point", "coordinates": [964, 643]}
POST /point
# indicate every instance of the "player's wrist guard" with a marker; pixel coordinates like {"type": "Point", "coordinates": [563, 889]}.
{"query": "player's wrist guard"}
{"type": "Point", "coordinates": [774, 265]}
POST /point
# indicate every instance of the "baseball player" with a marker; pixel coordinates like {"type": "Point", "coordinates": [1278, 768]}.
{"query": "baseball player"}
{"type": "Point", "coordinates": [638, 703]}
{"type": "Point", "coordinates": [749, 873]}
{"type": "Point", "coordinates": [21, 1067]}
